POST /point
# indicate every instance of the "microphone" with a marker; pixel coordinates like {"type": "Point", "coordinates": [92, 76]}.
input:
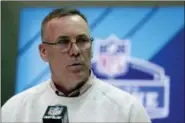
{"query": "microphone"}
{"type": "Point", "coordinates": [56, 114]}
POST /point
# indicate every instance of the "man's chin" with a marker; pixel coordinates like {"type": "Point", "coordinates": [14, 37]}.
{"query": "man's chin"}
{"type": "Point", "coordinates": [79, 75]}
{"type": "Point", "coordinates": [76, 78]}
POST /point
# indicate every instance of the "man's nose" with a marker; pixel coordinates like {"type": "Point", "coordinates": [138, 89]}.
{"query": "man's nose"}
{"type": "Point", "coordinates": [74, 50]}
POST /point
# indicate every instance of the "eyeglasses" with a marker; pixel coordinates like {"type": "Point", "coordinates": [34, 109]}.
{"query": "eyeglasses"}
{"type": "Point", "coordinates": [65, 43]}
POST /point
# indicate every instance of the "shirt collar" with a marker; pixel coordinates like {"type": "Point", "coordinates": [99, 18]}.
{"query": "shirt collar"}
{"type": "Point", "coordinates": [78, 92]}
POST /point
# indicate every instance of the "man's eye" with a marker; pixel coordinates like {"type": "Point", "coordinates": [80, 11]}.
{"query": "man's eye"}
{"type": "Point", "coordinates": [82, 40]}
{"type": "Point", "coordinates": [64, 41]}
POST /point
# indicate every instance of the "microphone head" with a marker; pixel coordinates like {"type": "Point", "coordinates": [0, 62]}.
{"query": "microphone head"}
{"type": "Point", "coordinates": [56, 114]}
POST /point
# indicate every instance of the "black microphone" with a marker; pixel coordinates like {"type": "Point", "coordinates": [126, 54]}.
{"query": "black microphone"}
{"type": "Point", "coordinates": [56, 114]}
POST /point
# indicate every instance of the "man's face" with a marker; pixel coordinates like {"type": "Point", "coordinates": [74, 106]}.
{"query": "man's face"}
{"type": "Point", "coordinates": [70, 67]}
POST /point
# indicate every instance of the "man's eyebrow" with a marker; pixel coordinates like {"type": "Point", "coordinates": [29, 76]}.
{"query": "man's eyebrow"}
{"type": "Point", "coordinates": [67, 37]}
{"type": "Point", "coordinates": [63, 37]}
{"type": "Point", "coordinates": [82, 35]}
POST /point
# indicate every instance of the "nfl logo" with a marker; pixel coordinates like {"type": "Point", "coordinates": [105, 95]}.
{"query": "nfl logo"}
{"type": "Point", "coordinates": [113, 55]}
{"type": "Point", "coordinates": [113, 60]}
{"type": "Point", "coordinates": [55, 111]}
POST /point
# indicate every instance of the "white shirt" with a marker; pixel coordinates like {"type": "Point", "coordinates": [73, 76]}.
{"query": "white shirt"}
{"type": "Point", "coordinates": [100, 103]}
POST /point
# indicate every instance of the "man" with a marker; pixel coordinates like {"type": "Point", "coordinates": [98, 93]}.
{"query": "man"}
{"type": "Point", "coordinates": [66, 46]}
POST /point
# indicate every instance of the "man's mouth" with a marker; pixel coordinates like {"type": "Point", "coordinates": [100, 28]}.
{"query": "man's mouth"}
{"type": "Point", "coordinates": [76, 64]}
{"type": "Point", "coordinates": [76, 67]}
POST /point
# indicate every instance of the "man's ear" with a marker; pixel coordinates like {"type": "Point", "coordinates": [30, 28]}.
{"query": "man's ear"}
{"type": "Point", "coordinates": [43, 52]}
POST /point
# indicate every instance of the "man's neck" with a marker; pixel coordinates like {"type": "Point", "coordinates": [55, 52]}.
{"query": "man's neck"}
{"type": "Point", "coordinates": [66, 92]}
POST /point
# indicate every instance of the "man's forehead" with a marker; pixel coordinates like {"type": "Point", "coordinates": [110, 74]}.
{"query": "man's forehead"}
{"type": "Point", "coordinates": [67, 20]}
{"type": "Point", "coordinates": [68, 25]}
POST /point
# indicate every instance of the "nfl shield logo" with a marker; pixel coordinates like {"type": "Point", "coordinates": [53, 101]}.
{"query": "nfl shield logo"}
{"type": "Point", "coordinates": [55, 111]}
{"type": "Point", "coordinates": [113, 60]}
{"type": "Point", "coordinates": [113, 55]}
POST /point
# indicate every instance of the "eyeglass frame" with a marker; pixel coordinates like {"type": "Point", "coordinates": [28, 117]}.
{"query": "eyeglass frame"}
{"type": "Point", "coordinates": [70, 44]}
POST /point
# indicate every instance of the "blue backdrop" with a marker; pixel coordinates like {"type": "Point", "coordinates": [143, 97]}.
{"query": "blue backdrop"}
{"type": "Point", "coordinates": [149, 41]}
